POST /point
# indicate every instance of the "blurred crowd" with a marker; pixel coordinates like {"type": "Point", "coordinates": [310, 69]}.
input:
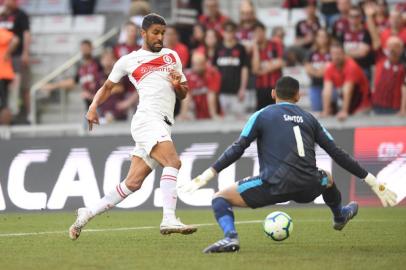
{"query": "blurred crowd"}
{"type": "Point", "coordinates": [354, 54]}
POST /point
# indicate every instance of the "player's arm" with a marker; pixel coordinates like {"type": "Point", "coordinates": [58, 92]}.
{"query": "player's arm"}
{"type": "Point", "coordinates": [178, 79]}
{"type": "Point", "coordinates": [229, 156]}
{"type": "Point", "coordinates": [326, 141]}
{"type": "Point", "coordinates": [181, 90]}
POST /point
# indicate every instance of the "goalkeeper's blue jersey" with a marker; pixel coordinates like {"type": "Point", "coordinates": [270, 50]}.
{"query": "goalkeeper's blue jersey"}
{"type": "Point", "coordinates": [286, 136]}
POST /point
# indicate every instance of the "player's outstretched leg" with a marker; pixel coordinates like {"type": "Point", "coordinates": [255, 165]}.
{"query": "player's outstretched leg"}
{"type": "Point", "coordinates": [84, 215]}
{"type": "Point", "coordinates": [332, 197]}
{"type": "Point", "coordinates": [165, 154]}
{"type": "Point", "coordinates": [136, 175]}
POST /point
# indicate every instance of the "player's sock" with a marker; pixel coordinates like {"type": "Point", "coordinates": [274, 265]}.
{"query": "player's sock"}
{"type": "Point", "coordinates": [224, 214]}
{"type": "Point", "coordinates": [332, 197]}
{"type": "Point", "coordinates": [115, 196]}
{"type": "Point", "coordinates": [169, 194]}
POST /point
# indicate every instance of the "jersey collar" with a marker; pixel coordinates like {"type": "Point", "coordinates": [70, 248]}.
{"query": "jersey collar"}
{"type": "Point", "coordinates": [285, 103]}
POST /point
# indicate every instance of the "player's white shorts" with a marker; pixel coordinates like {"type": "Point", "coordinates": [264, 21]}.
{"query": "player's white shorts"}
{"type": "Point", "coordinates": [147, 132]}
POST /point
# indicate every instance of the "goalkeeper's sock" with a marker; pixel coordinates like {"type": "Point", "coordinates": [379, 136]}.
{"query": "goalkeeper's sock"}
{"type": "Point", "coordinates": [224, 214]}
{"type": "Point", "coordinates": [114, 197]}
{"type": "Point", "coordinates": [169, 194]}
{"type": "Point", "coordinates": [332, 197]}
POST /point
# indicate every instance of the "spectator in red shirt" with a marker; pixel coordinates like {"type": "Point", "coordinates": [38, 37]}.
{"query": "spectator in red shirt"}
{"type": "Point", "coordinates": [306, 29]}
{"type": "Point", "coordinates": [111, 110]}
{"type": "Point", "coordinates": [122, 49]}
{"type": "Point", "coordinates": [357, 41]}
{"type": "Point", "coordinates": [212, 18]}
{"type": "Point", "coordinates": [397, 28]}
{"type": "Point", "coordinates": [88, 75]}
{"type": "Point", "coordinates": [278, 35]}
{"type": "Point", "coordinates": [344, 78]}
{"type": "Point", "coordinates": [130, 43]}
{"type": "Point", "coordinates": [246, 27]}
{"type": "Point", "coordinates": [315, 65]}
{"type": "Point", "coordinates": [204, 84]}
{"type": "Point", "coordinates": [171, 41]}
{"type": "Point", "coordinates": [197, 37]}
{"type": "Point", "coordinates": [267, 65]}
{"type": "Point", "coordinates": [381, 17]}
{"type": "Point", "coordinates": [341, 24]}
{"type": "Point", "coordinates": [389, 95]}
{"type": "Point", "coordinates": [401, 7]}
{"type": "Point", "coordinates": [211, 41]}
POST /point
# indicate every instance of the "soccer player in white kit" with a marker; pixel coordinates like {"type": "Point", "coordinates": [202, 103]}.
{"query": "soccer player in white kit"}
{"type": "Point", "coordinates": [156, 72]}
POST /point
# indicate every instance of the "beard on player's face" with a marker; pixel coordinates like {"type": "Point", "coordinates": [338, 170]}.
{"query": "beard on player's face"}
{"type": "Point", "coordinates": [155, 46]}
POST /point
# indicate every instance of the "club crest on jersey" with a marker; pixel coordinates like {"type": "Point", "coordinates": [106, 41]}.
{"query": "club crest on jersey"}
{"type": "Point", "coordinates": [167, 59]}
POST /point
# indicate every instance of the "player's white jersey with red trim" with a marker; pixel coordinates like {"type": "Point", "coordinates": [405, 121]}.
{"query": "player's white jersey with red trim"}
{"type": "Point", "coordinates": [149, 72]}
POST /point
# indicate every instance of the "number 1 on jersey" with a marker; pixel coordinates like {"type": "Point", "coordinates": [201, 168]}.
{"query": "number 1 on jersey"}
{"type": "Point", "coordinates": [299, 141]}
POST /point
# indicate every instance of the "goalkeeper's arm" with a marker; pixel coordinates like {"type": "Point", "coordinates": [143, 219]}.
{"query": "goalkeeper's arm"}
{"type": "Point", "coordinates": [229, 156]}
{"type": "Point", "coordinates": [324, 139]}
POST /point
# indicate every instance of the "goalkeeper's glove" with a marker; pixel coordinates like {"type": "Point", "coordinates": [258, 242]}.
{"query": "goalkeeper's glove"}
{"type": "Point", "coordinates": [387, 196]}
{"type": "Point", "coordinates": [199, 181]}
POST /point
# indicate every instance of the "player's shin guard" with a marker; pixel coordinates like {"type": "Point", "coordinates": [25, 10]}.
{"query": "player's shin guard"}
{"type": "Point", "coordinates": [332, 197]}
{"type": "Point", "coordinates": [114, 197]}
{"type": "Point", "coordinates": [224, 214]}
{"type": "Point", "coordinates": [169, 194]}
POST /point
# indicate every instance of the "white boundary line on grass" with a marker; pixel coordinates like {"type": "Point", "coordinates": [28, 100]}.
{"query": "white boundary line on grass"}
{"type": "Point", "coordinates": [156, 227]}
{"type": "Point", "coordinates": [116, 229]}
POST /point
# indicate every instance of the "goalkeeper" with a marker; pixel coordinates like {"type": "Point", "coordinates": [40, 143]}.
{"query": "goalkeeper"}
{"type": "Point", "coordinates": [286, 137]}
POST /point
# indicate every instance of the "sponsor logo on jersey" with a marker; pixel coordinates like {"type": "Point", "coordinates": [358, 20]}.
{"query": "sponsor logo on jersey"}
{"type": "Point", "coordinates": [163, 63]}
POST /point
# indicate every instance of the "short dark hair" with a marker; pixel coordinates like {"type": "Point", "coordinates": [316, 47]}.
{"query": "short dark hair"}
{"type": "Point", "coordinates": [151, 19]}
{"type": "Point", "coordinates": [259, 24]}
{"type": "Point", "coordinates": [287, 87]}
{"type": "Point", "coordinates": [336, 44]}
{"type": "Point", "coordinates": [230, 25]}
{"type": "Point", "coordinates": [86, 42]}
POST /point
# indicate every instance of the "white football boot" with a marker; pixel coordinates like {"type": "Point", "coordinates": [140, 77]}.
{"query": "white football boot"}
{"type": "Point", "coordinates": [84, 215]}
{"type": "Point", "coordinates": [173, 225]}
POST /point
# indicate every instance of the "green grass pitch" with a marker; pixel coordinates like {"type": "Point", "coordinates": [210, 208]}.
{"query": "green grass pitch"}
{"type": "Point", "coordinates": [375, 239]}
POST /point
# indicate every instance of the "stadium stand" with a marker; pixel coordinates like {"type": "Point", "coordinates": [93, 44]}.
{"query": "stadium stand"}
{"type": "Point", "coordinates": [56, 35]}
